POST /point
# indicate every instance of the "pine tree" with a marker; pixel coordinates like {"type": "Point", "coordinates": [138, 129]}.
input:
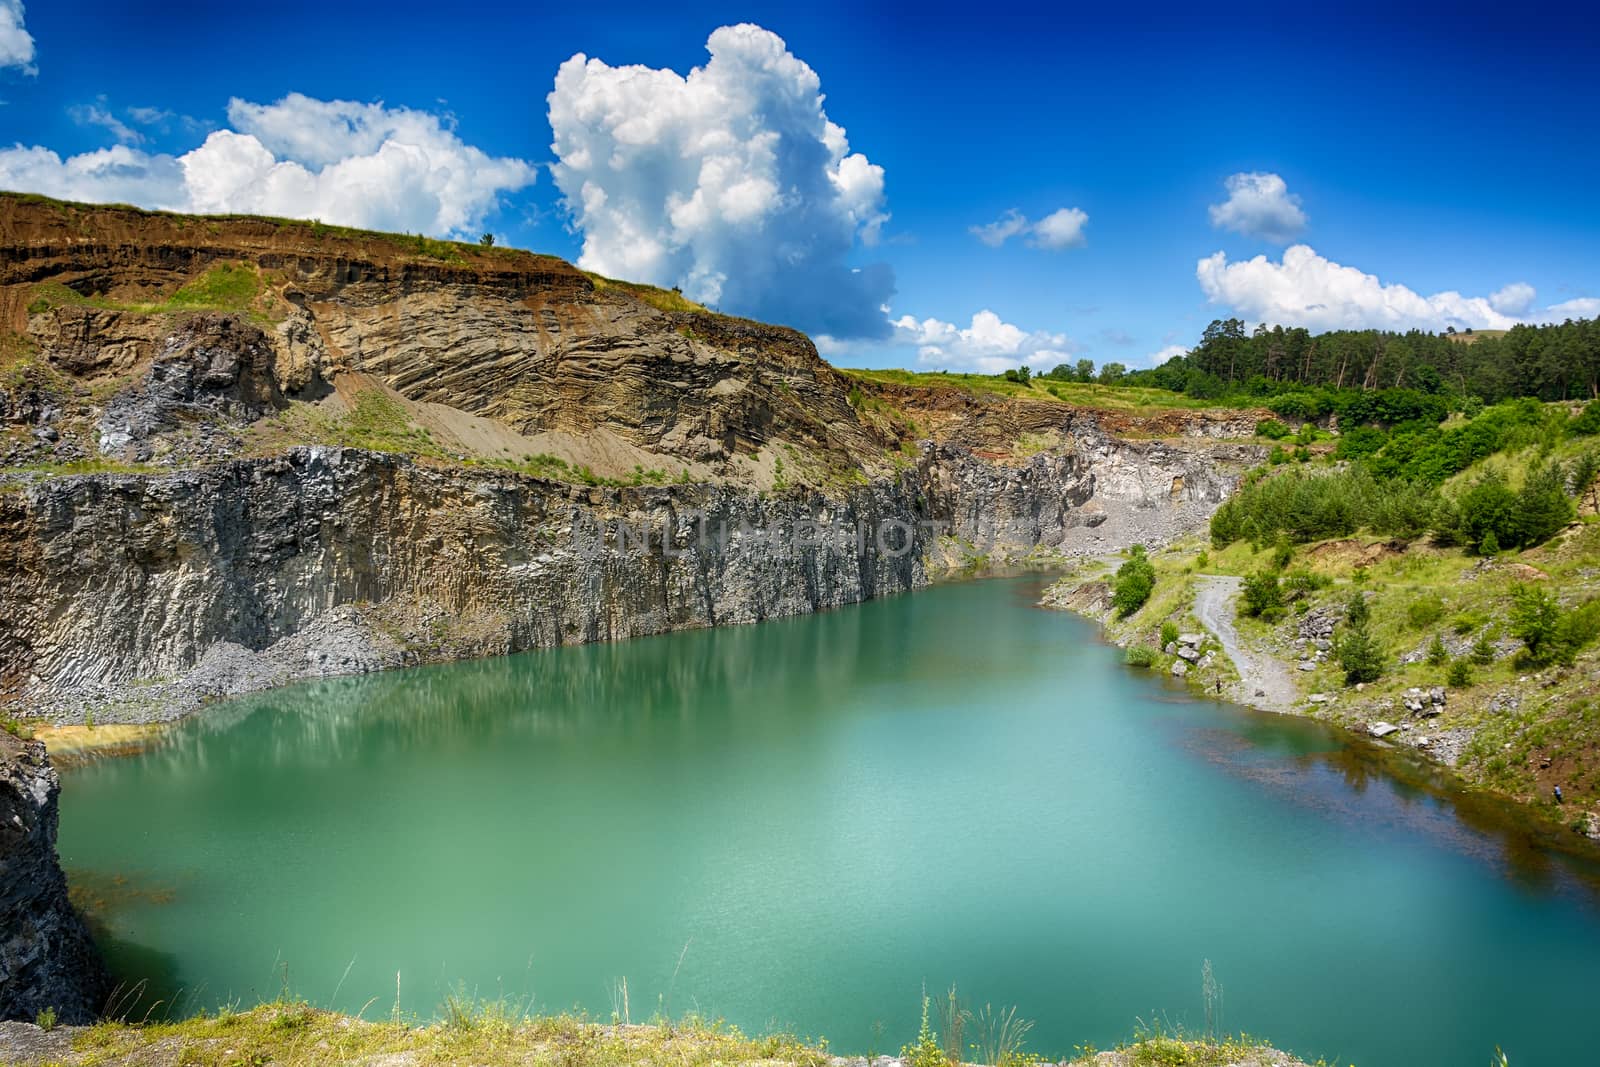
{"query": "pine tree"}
{"type": "Point", "coordinates": [1359, 652]}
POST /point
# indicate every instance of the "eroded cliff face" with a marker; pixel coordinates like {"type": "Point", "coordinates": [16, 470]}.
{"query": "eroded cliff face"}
{"type": "Point", "coordinates": [47, 961]}
{"type": "Point", "coordinates": [253, 572]}
{"type": "Point", "coordinates": [313, 451]}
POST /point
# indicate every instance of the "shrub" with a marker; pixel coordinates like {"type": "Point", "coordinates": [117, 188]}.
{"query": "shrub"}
{"type": "Point", "coordinates": [1139, 656]}
{"type": "Point", "coordinates": [1301, 583]}
{"type": "Point", "coordinates": [1272, 429]}
{"type": "Point", "coordinates": [1262, 596]}
{"type": "Point", "coordinates": [1460, 675]}
{"type": "Point", "coordinates": [1169, 633]}
{"type": "Point", "coordinates": [1587, 422]}
{"type": "Point", "coordinates": [1278, 456]}
{"type": "Point", "coordinates": [1282, 552]}
{"type": "Point", "coordinates": [1483, 651]}
{"type": "Point", "coordinates": [1136, 579]}
{"type": "Point", "coordinates": [1490, 545]}
{"type": "Point", "coordinates": [1424, 611]}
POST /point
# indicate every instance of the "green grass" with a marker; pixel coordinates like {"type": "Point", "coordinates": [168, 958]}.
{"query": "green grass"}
{"type": "Point", "coordinates": [660, 299]}
{"type": "Point", "coordinates": [15, 728]}
{"type": "Point", "coordinates": [498, 1033]}
{"type": "Point", "coordinates": [226, 287]}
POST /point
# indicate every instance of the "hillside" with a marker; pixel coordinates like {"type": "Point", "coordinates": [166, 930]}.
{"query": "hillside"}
{"type": "Point", "coordinates": [236, 451]}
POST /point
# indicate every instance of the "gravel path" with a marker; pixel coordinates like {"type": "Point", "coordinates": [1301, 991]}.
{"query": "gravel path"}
{"type": "Point", "coordinates": [1264, 681]}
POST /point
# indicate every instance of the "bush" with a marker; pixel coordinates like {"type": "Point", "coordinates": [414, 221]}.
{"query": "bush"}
{"type": "Point", "coordinates": [1483, 651]}
{"type": "Point", "coordinates": [1424, 611]}
{"type": "Point", "coordinates": [1301, 583]}
{"type": "Point", "coordinates": [1169, 633]}
{"type": "Point", "coordinates": [1272, 429]}
{"type": "Point", "coordinates": [1139, 656]}
{"type": "Point", "coordinates": [1262, 596]}
{"type": "Point", "coordinates": [1136, 580]}
{"type": "Point", "coordinates": [1282, 552]}
{"type": "Point", "coordinates": [1460, 675]}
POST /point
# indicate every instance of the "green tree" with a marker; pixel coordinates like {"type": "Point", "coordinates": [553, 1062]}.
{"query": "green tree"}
{"type": "Point", "coordinates": [1262, 596]}
{"type": "Point", "coordinates": [1359, 652]}
{"type": "Point", "coordinates": [1536, 618]}
{"type": "Point", "coordinates": [1542, 506]}
{"type": "Point", "coordinates": [1085, 372]}
{"type": "Point", "coordinates": [1438, 655]}
{"type": "Point", "coordinates": [1112, 373]}
{"type": "Point", "coordinates": [487, 240]}
{"type": "Point", "coordinates": [1136, 580]}
{"type": "Point", "coordinates": [1483, 650]}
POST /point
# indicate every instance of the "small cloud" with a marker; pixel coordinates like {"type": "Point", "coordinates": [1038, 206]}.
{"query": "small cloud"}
{"type": "Point", "coordinates": [1161, 355]}
{"type": "Point", "coordinates": [149, 116]}
{"type": "Point", "coordinates": [1120, 338]}
{"type": "Point", "coordinates": [1058, 230]}
{"type": "Point", "coordinates": [1001, 230]}
{"type": "Point", "coordinates": [1515, 299]}
{"type": "Point", "coordinates": [1259, 205]}
{"type": "Point", "coordinates": [97, 114]}
{"type": "Point", "coordinates": [16, 43]}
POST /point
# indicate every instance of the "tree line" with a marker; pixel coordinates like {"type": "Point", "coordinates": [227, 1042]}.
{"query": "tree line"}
{"type": "Point", "coordinates": [1550, 362]}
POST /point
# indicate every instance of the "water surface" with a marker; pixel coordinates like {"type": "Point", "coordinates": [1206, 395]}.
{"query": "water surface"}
{"type": "Point", "coordinates": [799, 823]}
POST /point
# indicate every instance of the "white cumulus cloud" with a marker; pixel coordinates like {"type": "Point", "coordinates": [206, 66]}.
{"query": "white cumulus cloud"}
{"type": "Point", "coordinates": [1305, 289]}
{"type": "Point", "coordinates": [1259, 205]}
{"type": "Point", "coordinates": [989, 345]}
{"type": "Point", "coordinates": [1060, 229]}
{"type": "Point", "coordinates": [1514, 299]}
{"type": "Point", "coordinates": [1166, 352]}
{"type": "Point", "coordinates": [345, 163]}
{"type": "Point", "coordinates": [16, 43]}
{"type": "Point", "coordinates": [730, 181]}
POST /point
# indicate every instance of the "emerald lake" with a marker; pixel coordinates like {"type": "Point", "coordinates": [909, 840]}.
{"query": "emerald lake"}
{"type": "Point", "coordinates": [797, 824]}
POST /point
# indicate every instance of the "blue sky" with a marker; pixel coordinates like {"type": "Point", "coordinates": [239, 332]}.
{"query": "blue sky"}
{"type": "Point", "coordinates": [1446, 152]}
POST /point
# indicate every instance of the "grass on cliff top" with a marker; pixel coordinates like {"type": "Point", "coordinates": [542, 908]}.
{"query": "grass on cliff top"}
{"type": "Point", "coordinates": [319, 231]}
{"type": "Point", "coordinates": [1082, 394]}
{"type": "Point", "coordinates": [660, 299]}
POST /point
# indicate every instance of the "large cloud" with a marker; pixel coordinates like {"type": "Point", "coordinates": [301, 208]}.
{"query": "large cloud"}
{"type": "Point", "coordinates": [730, 182]}
{"type": "Point", "coordinates": [16, 43]}
{"type": "Point", "coordinates": [1307, 290]}
{"type": "Point", "coordinates": [1259, 205]}
{"type": "Point", "coordinates": [338, 161]}
{"type": "Point", "coordinates": [989, 345]}
{"type": "Point", "coordinates": [1060, 229]}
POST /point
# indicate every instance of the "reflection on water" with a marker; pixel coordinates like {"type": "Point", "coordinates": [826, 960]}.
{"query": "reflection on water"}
{"type": "Point", "coordinates": [830, 811]}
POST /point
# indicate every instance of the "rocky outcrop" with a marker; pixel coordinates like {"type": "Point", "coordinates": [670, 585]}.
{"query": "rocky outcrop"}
{"type": "Point", "coordinates": [250, 573]}
{"type": "Point", "coordinates": [47, 961]}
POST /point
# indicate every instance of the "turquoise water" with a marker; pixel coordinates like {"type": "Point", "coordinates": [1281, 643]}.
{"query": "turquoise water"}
{"type": "Point", "coordinates": [797, 824]}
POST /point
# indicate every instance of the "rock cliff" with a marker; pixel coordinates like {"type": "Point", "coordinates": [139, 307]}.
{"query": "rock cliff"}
{"type": "Point", "coordinates": [47, 962]}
